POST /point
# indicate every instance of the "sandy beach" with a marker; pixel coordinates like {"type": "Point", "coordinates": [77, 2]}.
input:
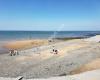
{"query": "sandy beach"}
{"type": "Point", "coordinates": [23, 44]}
{"type": "Point", "coordinates": [74, 57]}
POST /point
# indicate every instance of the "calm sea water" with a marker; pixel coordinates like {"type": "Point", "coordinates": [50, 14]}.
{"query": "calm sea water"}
{"type": "Point", "coordinates": [20, 35]}
{"type": "Point", "coordinates": [17, 35]}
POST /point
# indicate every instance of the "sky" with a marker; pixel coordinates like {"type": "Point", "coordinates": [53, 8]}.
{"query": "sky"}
{"type": "Point", "coordinates": [48, 15]}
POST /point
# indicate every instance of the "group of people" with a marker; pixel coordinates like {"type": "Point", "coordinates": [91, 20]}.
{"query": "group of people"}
{"type": "Point", "coordinates": [54, 51]}
{"type": "Point", "coordinates": [13, 52]}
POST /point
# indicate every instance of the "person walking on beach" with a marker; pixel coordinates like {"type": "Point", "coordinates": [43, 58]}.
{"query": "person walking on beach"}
{"type": "Point", "coordinates": [16, 52]}
{"type": "Point", "coordinates": [56, 51]}
{"type": "Point", "coordinates": [13, 52]}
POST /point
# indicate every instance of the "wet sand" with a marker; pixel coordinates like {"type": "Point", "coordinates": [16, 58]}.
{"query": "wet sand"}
{"type": "Point", "coordinates": [23, 44]}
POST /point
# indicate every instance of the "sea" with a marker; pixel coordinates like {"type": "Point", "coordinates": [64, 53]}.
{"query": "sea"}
{"type": "Point", "coordinates": [20, 35]}
{"type": "Point", "coordinates": [24, 35]}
